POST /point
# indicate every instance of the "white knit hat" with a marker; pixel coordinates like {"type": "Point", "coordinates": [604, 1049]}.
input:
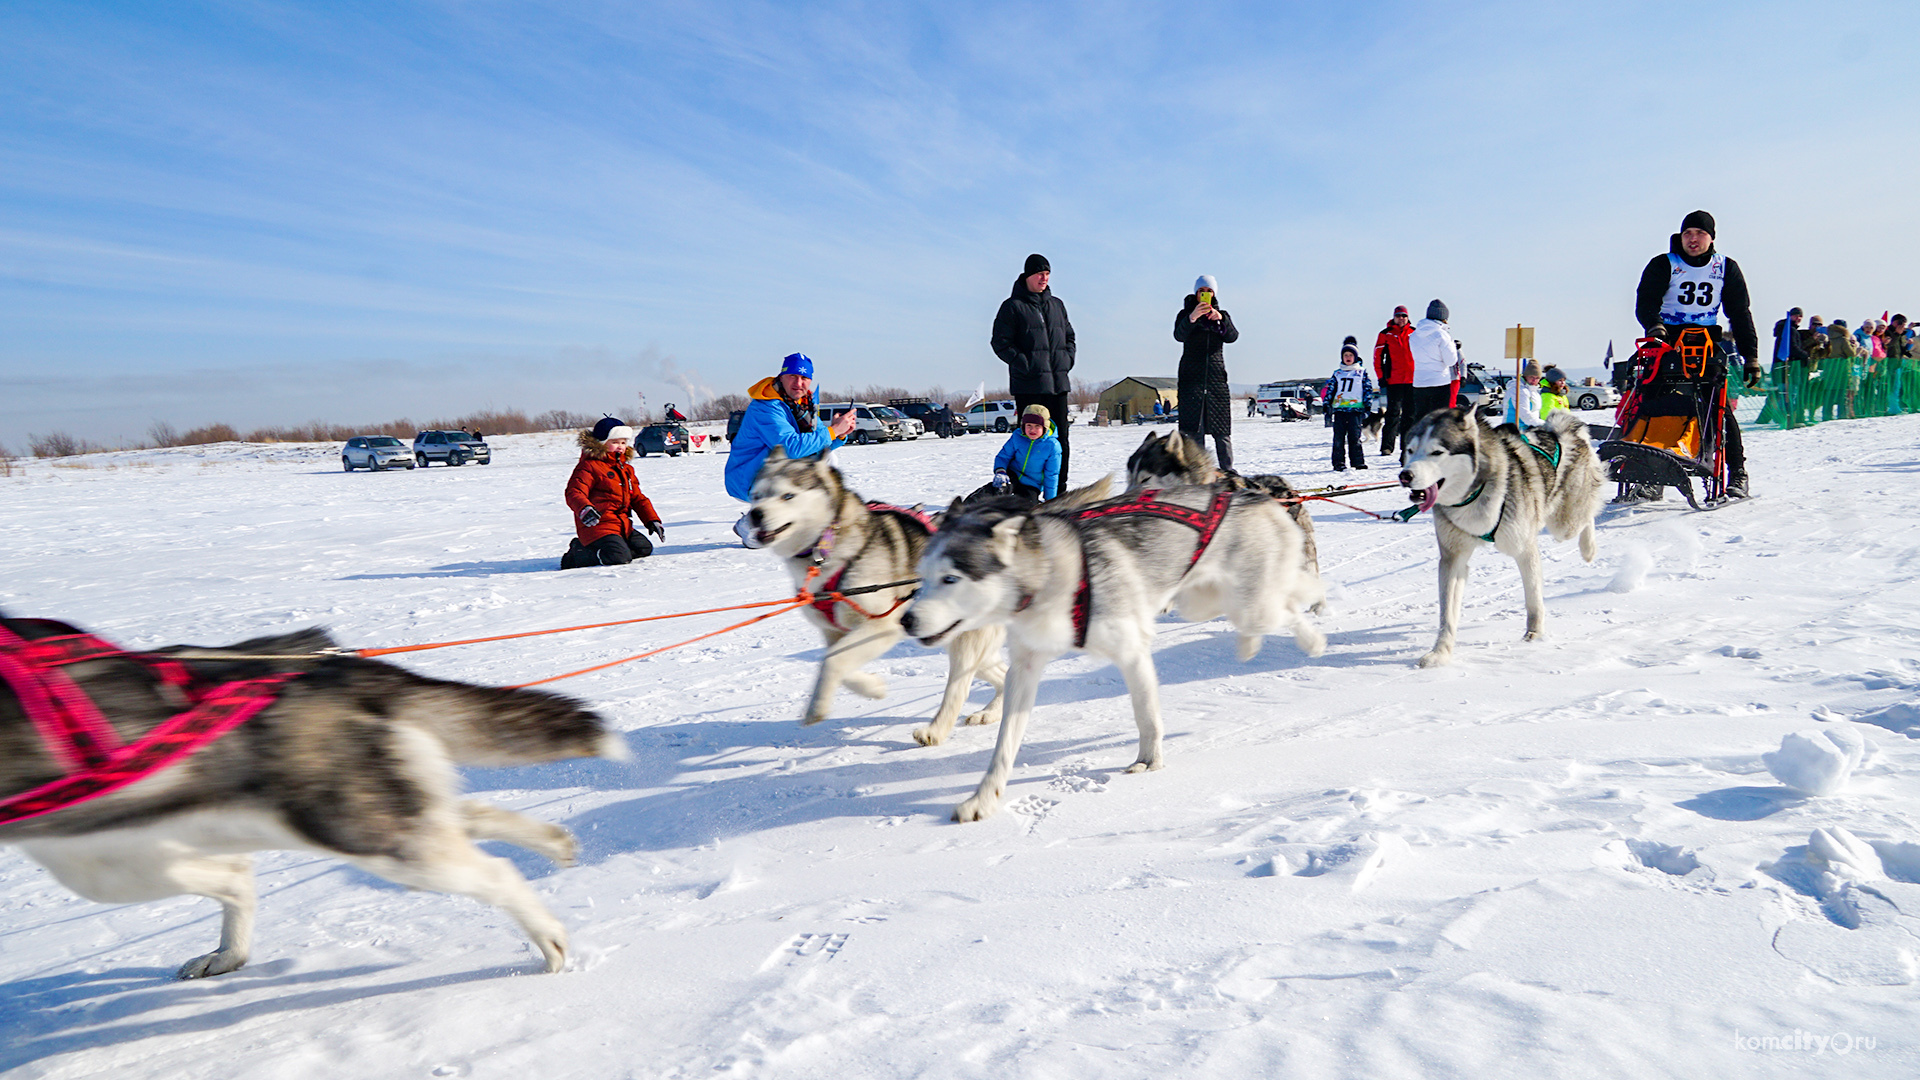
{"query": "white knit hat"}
{"type": "Point", "coordinates": [1205, 281]}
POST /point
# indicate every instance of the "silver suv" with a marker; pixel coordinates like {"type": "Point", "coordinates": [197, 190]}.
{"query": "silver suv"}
{"type": "Point", "coordinates": [452, 447]}
{"type": "Point", "coordinates": [375, 452]}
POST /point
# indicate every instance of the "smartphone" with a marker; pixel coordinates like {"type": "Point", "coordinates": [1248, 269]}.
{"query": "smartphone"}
{"type": "Point", "coordinates": [1204, 296]}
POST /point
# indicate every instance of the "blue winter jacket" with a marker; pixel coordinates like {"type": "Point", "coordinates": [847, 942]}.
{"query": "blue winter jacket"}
{"type": "Point", "coordinates": [1033, 462]}
{"type": "Point", "coordinates": [769, 423]}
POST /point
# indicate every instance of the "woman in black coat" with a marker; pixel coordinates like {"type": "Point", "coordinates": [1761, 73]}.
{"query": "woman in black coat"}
{"type": "Point", "coordinates": [1206, 406]}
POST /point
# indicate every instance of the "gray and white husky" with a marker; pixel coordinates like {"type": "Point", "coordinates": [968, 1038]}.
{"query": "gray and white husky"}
{"type": "Point", "coordinates": [1175, 458]}
{"type": "Point", "coordinates": [1500, 486]}
{"type": "Point", "coordinates": [804, 513]}
{"type": "Point", "coordinates": [355, 759]}
{"type": "Point", "coordinates": [1095, 578]}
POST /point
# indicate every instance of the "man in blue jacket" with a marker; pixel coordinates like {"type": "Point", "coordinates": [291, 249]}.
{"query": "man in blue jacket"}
{"type": "Point", "coordinates": [780, 413]}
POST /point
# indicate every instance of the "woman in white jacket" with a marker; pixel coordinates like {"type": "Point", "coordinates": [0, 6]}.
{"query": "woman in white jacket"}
{"type": "Point", "coordinates": [1524, 406]}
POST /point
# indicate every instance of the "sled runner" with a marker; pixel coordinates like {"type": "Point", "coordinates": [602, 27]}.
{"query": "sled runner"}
{"type": "Point", "coordinates": [1671, 425]}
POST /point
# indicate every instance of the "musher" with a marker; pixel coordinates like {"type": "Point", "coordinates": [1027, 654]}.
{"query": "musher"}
{"type": "Point", "coordinates": [1689, 286]}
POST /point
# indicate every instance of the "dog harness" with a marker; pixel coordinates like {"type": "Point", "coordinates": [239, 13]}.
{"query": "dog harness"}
{"type": "Point", "coordinates": [1205, 522]}
{"type": "Point", "coordinates": [824, 601]}
{"type": "Point", "coordinates": [84, 743]}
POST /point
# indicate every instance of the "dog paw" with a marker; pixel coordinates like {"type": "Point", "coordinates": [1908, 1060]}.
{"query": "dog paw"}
{"type": "Point", "coordinates": [990, 715]}
{"type": "Point", "coordinates": [866, 685]}
{"type": "Point", "coordinates": [1146, 766]}
{"type": "Point", "coordinates": [552, 946]}
{"type": "Point", "coordinates": [214, 963]}
{"type": "Point", "coordinates": [1436, 658]}
{"type": "Point", "coordinates": [561, 847]}
{"type": "Point", "coordinates": [927, 736]}
{"type": "Point", "coordinates": [1533, 635]}
{"type": "Point", "coordinates": [1250, 646]}
{"type": "Point", "coordinates": [978, 808]}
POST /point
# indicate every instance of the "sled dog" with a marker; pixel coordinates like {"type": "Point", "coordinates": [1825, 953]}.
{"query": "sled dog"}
{"type": "Point", "coordinates": [352, 758]}
{"type": "Point", "coordinates": [1095, 578]}
{"type": "Point", "coordinates": [804, 513]}
{"type": "Point", "coordinates": [1500, 486]}
{"type": "Point", "coordinates": [1174, 458]}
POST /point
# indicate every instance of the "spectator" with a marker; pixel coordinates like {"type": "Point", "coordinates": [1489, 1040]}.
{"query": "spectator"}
{"type": "Point", "coordinates": [1393, 363]}
{"type": "Point", "coordinates": [1032, 334]}
{"type": "Point", "coordinates": [1028, 464]}
{"type": "Point", "coordinates": [1436, 369]}
{"type": "Point", "coordinates": [602, 493]}
{"type": "Point", "coordinates": [780, 412]}
{"type": "Point", "coordinates": [1523, 407]}
{"type": "Point", "coordinates": [1553, 392]}
{"type": "Point", "coordinates": [1204, 329]}
{"type": "Point", "coordinates": [1346, 395]}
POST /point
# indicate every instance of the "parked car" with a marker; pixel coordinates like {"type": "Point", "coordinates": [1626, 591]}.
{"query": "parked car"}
{"type": "Point", "coordinates": [932, 415]}
{"type": "Point", "coordinates": [909, 427]}
{"type": "Point", "coordinates": [452, 447]}
{"type": "Point", "coordinates": [992, 416]}
{"type": "Point", "coordinates": [375, 452]}
{"type": "Point", "coordinates": [1595, 396]}
{"type": "Point", "coordinates": [669, 439]}
{"type": "Point", "coordinates": [869, 425]}
{"type": "Point", "coordinates": [734, 420]}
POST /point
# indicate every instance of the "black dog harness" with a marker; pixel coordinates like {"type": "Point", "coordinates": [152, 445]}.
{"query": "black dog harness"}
{"type": "Point", "coordinates": [82, 740]}
{"type": "Point", "coordinates": [1205, 522]}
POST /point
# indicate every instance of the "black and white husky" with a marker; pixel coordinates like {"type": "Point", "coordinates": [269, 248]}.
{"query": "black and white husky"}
{"type": "Point", "coordinates": [354, 759]}
{"type": "Point", "coordinates": [1500, 486]}
{"type": "Point", "coordinates": [1095, 578]}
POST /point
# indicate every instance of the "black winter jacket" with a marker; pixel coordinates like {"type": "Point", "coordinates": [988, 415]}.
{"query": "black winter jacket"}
{"type": "Point", "coordinates": [1204, 403]}
{"type": "Point", "coordinates": [1032, 335]}
{"type": "Point", "coordinates": [1734, 300]}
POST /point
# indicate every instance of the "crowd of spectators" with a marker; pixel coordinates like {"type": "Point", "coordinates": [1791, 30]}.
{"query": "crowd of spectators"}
{"type": "Point", "coordinates": [1829, 370]}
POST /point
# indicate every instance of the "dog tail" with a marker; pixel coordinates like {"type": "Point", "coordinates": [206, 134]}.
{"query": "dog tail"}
{"type": "Point", "coordinates": [1099, 491]}
{"type": "Point", "coordinates": [1564, 423]}
{"type": "Point", "coordinates": [480, 725]}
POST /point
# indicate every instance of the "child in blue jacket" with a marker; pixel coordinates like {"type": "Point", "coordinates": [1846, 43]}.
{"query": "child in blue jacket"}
{"type": "Point", "coordinates": [1029, 464]}
{"type": "Point", "coordinates": [1346, 401]}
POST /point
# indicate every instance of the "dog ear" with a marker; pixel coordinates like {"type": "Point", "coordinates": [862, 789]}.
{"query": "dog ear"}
{"type": "Point", "coordinates": [1006, 535]}
{"type": "Point", "coordinates": [777, 454]}
{"type": "Point", "coordinates": [956, 505]}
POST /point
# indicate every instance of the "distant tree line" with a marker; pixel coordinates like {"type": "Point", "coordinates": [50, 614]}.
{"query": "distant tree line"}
{"type": "Point", "coordinates": [489, 421]}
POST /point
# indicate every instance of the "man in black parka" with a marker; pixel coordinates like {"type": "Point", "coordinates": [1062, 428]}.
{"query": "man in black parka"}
{"type": "Point", "coordinates": [1032, 335]}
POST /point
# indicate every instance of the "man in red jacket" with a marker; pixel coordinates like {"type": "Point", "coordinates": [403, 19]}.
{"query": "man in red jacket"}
{"type": "Point", "coordinates": [601, 493]}
{"type": "Point", "coordinates": [1393, 363]}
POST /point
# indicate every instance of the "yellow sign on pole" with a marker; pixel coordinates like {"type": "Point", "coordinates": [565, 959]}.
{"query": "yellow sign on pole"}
{"type": "Point", "coordinates": [1519, 342]}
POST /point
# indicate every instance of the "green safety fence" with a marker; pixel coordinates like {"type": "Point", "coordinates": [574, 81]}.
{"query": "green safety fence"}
{"type": "Point", "coordinates": [1802, 392]}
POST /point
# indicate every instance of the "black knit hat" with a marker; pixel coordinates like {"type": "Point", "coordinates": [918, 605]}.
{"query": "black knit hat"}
{"type": "Point", "coordinates": [1437, 311]}
{"type": "Point", "coordinates": [1699, 219]}
{"type": "Point", "coordinates": [1036, 263]}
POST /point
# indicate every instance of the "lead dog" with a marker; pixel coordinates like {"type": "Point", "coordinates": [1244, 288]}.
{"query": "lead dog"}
{"type": "Point", "coordinates": [1095, 579]}
{"type": "Point", "coordinates": [1176, 458]}
{"type": "Point", "coordinates": [354, 759]}
{"type": "Point", "coordinates": [804, 513]}
{"type": "Point", "coordinates": [1494, 485]}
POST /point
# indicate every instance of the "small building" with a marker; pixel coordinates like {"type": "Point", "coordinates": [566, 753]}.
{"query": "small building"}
{"type": "Point", "coordinates": [1134, 396]}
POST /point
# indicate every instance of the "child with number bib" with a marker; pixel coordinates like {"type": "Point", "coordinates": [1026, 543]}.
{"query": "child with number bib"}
{"type": "Point", "coordinates": [1346, 402]}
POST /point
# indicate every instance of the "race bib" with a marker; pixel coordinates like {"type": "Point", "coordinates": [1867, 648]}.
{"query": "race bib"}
{"type": "Point", "coordinates": [1693, 292]}
{"type": "Point", "coordinates": [1349, 389]}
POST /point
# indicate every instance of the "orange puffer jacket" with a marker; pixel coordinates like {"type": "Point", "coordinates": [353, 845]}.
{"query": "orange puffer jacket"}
{"type": "Point", "coordinates": [608, 486]}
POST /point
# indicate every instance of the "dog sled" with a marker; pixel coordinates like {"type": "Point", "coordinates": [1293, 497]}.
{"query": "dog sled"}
{"type": "Point", "coordinates": [1671, 425]}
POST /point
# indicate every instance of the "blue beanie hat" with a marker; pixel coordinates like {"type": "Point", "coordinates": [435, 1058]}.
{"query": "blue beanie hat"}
{"type": "Point", "coordinates": [611, 427]}
{"type": "Point", "coordinates": [797, 364]}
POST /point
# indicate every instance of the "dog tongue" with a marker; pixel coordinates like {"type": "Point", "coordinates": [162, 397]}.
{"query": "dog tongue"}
{"type": "Point", "coordinates": [1429, 497]}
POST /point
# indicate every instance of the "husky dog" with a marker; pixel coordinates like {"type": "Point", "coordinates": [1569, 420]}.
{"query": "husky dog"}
{"type": "Point", "coordinates": [1175, 458]}
{"type": "Point", "coordinates": [354, 759]}
{"type": "Point", "coordinates": [804, 513]}
{"type": "Point", "coordinates": [1095, 578]}
{"type": "Point", "coordinates": [1500, 485]}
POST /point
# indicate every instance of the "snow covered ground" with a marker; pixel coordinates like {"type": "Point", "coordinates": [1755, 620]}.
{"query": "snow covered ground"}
{"type": "Point", "coordinates": [1565, 858]}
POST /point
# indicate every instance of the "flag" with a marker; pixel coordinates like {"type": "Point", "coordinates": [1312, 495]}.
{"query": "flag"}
{"type": "Point", "coordinates": [979, 395]}
{"type": "Point", "coordinates": [1608, 362]}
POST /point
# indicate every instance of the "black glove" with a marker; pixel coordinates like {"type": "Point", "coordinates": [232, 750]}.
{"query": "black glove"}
{"type": "Point", "coordinates": [589, 516]}
{"type": "Point", "coordinates": [656, 528]}
{"type": "Point", "coordinates": [1754, 374]}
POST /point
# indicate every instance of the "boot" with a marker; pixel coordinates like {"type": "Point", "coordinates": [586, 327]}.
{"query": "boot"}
{"type": "Point", "coordinates": [1737, 485]}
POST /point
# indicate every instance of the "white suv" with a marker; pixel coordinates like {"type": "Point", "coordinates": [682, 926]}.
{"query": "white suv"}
{"type": "Point", "coordinates": [868, 427]}
{"type": "Point", "coordinates": [992, 416]}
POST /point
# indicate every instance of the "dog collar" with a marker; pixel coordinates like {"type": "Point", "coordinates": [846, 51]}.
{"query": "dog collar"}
{"type": "Point", "coordinates": [823, 547]}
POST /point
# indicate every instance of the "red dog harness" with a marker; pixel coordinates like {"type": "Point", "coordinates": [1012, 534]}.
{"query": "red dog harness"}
{"type": "Point", "coordinates": [1205, 522]}
{"type": "Point", "coordinates": [88, 747]}
{"type": "Point", "coordinates": [823, 547]}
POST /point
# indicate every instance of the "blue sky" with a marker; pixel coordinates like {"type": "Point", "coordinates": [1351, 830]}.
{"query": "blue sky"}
{"type": "Point", "coordinates": [261, 213]}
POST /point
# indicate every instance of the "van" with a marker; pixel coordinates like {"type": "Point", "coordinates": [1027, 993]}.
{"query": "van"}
{"type": "Point", "coordinates": [870, 426]}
